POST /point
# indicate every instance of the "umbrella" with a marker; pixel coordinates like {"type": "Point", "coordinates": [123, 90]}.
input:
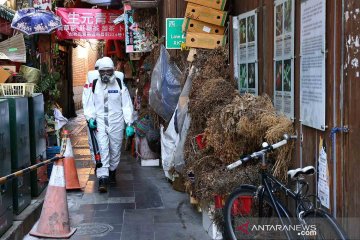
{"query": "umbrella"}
{"type": "Point", "coordinates": [31, 21]}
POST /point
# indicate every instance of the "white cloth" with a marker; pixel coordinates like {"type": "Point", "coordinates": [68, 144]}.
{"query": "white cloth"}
{"type": "Point", "coordinates": [59, 119]}
{"type": "Point", "coordinates": [111, 107]}
{"type": "Point", "coordinates": [87, 103]}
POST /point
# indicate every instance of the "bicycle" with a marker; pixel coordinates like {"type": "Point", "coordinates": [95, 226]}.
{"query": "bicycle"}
{"type": "Point", "coordinates": [252, 211]}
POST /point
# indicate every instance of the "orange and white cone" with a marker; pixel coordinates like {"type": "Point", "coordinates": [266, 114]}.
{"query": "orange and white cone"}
{"type": "Point", "coordinates": [54, 219]}
{"type": "Point", "coordinates": [71, 176]}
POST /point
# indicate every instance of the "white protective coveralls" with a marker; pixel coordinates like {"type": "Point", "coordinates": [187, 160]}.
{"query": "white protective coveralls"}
{"type": "Point", "coordinates": [110, 106]}
{"type": "Point", "coordinates": [91, 76]}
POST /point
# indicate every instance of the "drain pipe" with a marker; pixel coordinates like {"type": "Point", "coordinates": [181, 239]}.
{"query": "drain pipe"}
{"type": "Point", "coordinates": [342, 96]}
{"type": "Point", "coordinates": [334, 130]}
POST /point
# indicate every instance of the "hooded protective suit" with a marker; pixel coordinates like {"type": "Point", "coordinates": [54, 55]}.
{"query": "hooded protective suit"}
{"type": "Point", "coordinates": [111, 107]}
{"type": "Point", "coordinates": [91, 76]}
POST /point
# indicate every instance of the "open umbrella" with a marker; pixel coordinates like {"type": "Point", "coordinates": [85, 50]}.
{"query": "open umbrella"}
{"type": "Point", "coordinates": [31, 21]}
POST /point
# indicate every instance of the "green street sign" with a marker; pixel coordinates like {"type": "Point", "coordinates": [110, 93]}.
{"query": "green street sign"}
{"type": "Point", "coordinates": [174, 34]}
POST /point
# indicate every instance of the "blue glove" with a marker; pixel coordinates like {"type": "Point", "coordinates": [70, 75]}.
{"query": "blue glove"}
{"type": "Point", "coordinates": [130, 131]}
{"type": "Point", "coordinates": [92, 123]}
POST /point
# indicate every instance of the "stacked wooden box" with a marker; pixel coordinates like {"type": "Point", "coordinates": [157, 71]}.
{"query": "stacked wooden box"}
{"type": "Point", "coordinates": [204, 23]}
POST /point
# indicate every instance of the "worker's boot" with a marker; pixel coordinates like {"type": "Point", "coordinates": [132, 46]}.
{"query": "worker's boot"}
{"type": "Point", "coordinates": [112, 176]}
{"type": "Point", "coordinates": [103, 184]}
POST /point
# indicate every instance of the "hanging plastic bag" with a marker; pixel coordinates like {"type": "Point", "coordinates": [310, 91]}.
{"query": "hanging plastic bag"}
{"type": "Point", "coordinates": [179, 161]}
{"type": "Point", "coordinates": [169, 139]}
{"type": "Point", "coordinates": [182, 107]}
{"type": "Point", "coordinates": [165, 86]}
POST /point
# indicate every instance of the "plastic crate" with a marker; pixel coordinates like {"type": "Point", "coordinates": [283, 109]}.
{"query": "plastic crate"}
{"type": "Point", "coordinates": [17, 89]}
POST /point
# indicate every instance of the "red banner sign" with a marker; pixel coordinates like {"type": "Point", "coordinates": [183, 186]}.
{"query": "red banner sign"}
{"type": "Point", "coordinates": [83, 23]}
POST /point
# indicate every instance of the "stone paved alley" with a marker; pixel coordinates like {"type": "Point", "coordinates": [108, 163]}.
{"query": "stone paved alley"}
{"type": "Point", "coordinates": [141, 206]}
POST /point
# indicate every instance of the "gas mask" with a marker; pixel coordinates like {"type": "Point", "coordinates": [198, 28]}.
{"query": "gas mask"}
{"type": "Point", "coordinates": [107, 76]}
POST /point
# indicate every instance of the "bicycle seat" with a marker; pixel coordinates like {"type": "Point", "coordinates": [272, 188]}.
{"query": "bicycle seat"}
{"type": "Point", "coordinates": [301, 171]}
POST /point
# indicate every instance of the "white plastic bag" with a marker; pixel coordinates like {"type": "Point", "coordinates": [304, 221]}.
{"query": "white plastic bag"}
{"type": "Point", "coordinates": [145, 151]}
{"type": "Point", "coordinates": [169, 139]}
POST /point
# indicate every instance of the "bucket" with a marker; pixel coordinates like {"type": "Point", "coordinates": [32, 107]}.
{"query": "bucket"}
{"type": "Point", "coordinates": [50, 153]}
{"type": "Point", "coordinates": [242, 205]}
{"type": "Point", "coordinates": [200, 141]}
{"type": "Point", "coordinates": [245, 204]}
{"type": "Point", "coordinates": [218, 202]}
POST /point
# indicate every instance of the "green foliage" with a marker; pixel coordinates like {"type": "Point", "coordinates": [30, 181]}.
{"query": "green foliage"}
{"type": "Point", "coordinates": [48, 87]}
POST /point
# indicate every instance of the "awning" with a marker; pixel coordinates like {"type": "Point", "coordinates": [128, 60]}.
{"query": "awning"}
{"type": "Point", "coordinates": [142, 3]}
{"type": "Point", "coordinates": [104, 2]}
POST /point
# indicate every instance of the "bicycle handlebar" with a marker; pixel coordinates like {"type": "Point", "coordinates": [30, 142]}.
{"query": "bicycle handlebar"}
{"type": "Point", "coordinates": [260, 153]}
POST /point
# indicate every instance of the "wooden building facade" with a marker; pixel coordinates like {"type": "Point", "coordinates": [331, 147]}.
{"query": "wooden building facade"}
{"type": "Point", "coordinates": [342, 37]}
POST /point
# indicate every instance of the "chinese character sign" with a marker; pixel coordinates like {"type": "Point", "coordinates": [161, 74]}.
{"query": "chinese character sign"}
{"type": "Point", "coordinates": [80, 23]}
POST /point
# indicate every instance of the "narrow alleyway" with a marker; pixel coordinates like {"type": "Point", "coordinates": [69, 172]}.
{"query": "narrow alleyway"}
{"type": "Point", "coordinates": [141, 206]}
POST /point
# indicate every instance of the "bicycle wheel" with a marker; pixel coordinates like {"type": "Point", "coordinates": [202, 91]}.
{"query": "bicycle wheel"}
{"type": "Point", "coordinates": [322, 226]}
{"type": "Point", "coordinates": [241, 215]}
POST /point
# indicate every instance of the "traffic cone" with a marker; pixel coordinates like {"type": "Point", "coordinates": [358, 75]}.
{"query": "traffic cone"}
{"type": "Point", "coordinates": [71, 176]}
{"type": "Point", "coordinates": [54, 219]}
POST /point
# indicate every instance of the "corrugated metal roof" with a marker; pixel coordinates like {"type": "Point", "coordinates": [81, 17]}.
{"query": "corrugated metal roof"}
{"type": "Point", "coordinates": [7, 13]}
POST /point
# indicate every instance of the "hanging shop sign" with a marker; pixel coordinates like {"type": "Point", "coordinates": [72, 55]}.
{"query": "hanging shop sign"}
{"type": "Point", "coordinates": [248, 53]}
{"type": "Point", "coordinates": [42, 4]}
{"type": "Point", "coordinates": [137, 40]}
{"type": "Point", "coordinates": [174, 34]}
{"type": "Point", "coordinates": [284, 57]}
{"type": "Point", "coordinates": [84, 23]}
{"type": "Point", "coordinates": [312, 64]}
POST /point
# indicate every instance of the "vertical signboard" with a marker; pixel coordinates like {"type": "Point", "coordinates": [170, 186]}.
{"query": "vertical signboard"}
{"type": "Point", "coordinates": [136, 39]}
{"type": "Point", "coordinates": [235, 26]}
{"type": "Point", "coordinates": [174, 34]}
{"type": "Point", "coordinates": [312, 64]}
{"type": "Point", "coordinates": [247, 53]}
{"type": "Point", "coordinates": [284, 57]}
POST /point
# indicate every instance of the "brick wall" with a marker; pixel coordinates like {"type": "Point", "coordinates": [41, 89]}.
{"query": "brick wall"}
{"type": "Point", "coordinates": [83, 60]}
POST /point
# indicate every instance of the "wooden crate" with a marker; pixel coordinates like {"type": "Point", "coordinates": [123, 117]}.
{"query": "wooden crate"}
{"type": "Point", "coordinates": [217, 4]}
{"type": "Point", "coordinates": [205, 14]}
{"type": "Point", "coordinates": [204, 40]}
{"type": "Point", "coordinates": [191, 25]}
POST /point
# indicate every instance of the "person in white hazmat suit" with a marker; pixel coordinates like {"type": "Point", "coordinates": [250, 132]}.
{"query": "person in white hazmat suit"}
{"type": "Point", "coordinates": [108, 109]}
{"type": "Point", "coordinates": [91, 76]}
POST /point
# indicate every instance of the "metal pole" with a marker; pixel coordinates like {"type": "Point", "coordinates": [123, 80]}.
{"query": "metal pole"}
{"type": "Point", "coordinates": [33, 167]}
{"type": "Point", "coordinates": [28, 169]}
